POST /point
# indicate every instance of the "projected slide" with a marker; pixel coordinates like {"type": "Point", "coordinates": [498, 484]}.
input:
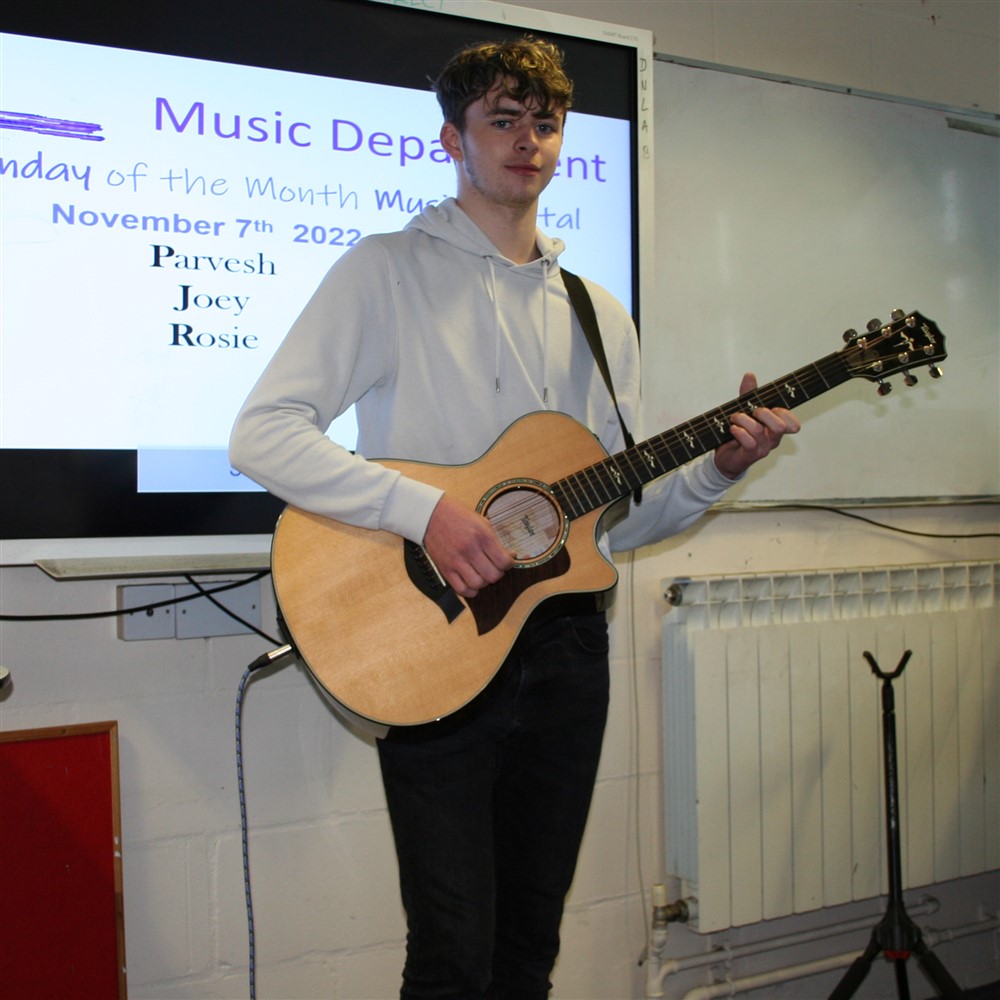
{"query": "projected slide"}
{"type": "Point", "coordinates": [164, 219]}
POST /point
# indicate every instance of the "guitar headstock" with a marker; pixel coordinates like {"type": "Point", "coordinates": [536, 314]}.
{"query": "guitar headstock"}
{"type": "Point", "coordinates": [908, 341]}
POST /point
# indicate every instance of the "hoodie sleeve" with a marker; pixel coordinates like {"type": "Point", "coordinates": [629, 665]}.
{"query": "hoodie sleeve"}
{"type": "Point", "coordinates": [341, 345]}
{"type": "Point", "coordinates": [669, 504]}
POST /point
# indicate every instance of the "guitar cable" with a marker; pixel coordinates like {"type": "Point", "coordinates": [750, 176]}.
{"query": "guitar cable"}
{"type": "Point", "coordinates": [276, 655]}
{"type": "Point", "coordinates": [266, 660]}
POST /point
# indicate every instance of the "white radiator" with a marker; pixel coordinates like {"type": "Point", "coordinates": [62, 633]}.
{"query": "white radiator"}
{"type": "Point", "coordinates": [772, 726]}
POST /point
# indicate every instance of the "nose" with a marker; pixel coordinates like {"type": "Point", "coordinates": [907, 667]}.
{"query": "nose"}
{"type": "Point", "coordinates": [525, 137]}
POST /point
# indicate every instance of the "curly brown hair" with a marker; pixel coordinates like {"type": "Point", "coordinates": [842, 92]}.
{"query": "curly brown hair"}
{"type": "Point", "coordinates": [528, 68]}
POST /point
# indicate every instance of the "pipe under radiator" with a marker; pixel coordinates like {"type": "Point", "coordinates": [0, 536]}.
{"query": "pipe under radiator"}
{"type": "Point", "coordinates": [657, 968]}
{"type": "Point", "coordinates": [731, 987]}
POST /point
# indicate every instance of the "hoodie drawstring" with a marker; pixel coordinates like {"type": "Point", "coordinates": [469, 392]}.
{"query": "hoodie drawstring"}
{"type": "Point", "coordinates": [496, 323]}
{"type": "Point", "coordinates": [546, 264]}
{"type": "Point", "coordinates": [545, 330]}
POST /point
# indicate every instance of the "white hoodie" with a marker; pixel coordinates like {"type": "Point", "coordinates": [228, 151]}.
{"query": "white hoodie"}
{"type": "Point", "coordinates": [442, 343]}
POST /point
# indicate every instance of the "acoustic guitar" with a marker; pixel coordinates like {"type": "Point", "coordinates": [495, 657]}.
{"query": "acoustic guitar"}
{"type": "Point", "coordinates": [378, 627]}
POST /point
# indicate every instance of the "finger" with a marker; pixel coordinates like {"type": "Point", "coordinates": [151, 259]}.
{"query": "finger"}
{"type": "Point", "coordinates": [465, 580]}
{"type": "Point", "coordinates": [489, 569]}
{"type": "Point", "coordinates": [748, 383]}
{"type": "Point", "coordinates": [484, 565]}
{"type": "Point", "coordinates": [779, 421]}
{"type": "Point", "coordinates": [487, 556]}
{"type": "Point", "coordinates": [502, 559]}
{"type": "Point", "coordinates": [746, 428]}
{"type": "Point", "coordinates": [791, 423]}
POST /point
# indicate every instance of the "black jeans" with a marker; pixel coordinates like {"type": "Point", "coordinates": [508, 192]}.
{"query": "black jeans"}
{"type": "Point", "coordinates": [488, 809]}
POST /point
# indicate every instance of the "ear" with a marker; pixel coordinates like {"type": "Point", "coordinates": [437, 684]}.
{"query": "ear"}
{"type": "Point", "coordinates": [451, 140]}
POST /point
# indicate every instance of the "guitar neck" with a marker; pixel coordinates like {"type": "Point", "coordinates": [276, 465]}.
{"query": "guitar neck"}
{"type": "Point", "coordinates": [621, 474]}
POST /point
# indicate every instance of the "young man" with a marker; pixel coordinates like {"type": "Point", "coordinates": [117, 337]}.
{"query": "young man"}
{"type": "Point", "coordinates": [442, 335]}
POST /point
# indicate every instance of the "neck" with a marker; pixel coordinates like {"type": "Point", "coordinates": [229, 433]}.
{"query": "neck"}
{"type": "Point", "coordinates": [511, 229]}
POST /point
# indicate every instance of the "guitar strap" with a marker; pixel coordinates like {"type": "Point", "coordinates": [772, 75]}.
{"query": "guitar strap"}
{"type": "Point", "coordinates": [579, 298]}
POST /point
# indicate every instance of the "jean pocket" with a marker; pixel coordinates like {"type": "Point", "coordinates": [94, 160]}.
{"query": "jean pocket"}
{"type": "Point", "coordinates": [590, 632]}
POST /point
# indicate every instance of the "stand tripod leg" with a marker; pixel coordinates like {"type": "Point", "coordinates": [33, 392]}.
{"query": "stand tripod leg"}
{"type": "Point", "coordinates": [936, 972]}
{"type": "Point", "coordinates": [902, 983]}
{"type": "Point", "coordinates": [857, 971]}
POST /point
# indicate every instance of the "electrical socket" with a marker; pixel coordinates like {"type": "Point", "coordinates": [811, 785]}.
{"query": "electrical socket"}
{"type": "Point", "coordinates": [155, 623]}
{"type": "Point", "coordinates": [200, 618]}
{"type": "Point", "coordinates": [190, 619]}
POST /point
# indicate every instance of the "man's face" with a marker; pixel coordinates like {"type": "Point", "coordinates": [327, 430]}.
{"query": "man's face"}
{"type": "Point", "coordinates": [508, 151]}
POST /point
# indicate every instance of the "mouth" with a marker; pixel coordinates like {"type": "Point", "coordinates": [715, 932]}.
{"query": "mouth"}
{"type": "Point", "coordinates": [523, 169]}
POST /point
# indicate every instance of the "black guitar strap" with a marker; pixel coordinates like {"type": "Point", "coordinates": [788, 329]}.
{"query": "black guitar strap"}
{"type": "Point", "coordinates": [579, 297]}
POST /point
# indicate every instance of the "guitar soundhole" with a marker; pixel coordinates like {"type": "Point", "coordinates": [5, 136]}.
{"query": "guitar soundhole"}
{"type": "Point", "coordinates": [527, 520]}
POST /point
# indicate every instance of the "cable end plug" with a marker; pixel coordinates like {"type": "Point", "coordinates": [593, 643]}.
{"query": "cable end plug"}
{"type": "Point", "coordinates": [273, 656]}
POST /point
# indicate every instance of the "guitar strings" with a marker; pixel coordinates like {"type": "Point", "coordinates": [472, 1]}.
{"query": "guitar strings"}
{"type": "Point", "coordinates": [700, 434]}
{"type": "Point", "coordinates": [521, 522]}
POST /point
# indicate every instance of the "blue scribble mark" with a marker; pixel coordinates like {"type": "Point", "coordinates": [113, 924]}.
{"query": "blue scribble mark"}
{"type": "Point", "coordinates": [41, 125]}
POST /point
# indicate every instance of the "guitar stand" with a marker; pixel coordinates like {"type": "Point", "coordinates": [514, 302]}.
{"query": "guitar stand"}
{"type": "Point", "coordinates": [896, 935]}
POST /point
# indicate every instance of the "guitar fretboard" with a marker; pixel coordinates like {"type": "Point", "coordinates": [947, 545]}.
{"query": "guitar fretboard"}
{"type": "Point", "coordinates": [621, 474]}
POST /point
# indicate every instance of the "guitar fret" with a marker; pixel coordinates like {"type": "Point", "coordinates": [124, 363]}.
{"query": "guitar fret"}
{"type": "Point", "coordinates": [569, 497]}
{"type": "Point", "coordinates": [598, 486]}
{"type": "Point", "coordinates": [819, 372]}
{"type": "Point", "coordinates": [714, 424]}
{"type": "Point", "coordinates": [633, 479]}
{"type": "Point", "coordinates": [792, 388]}
{"type": "Point", "coordinates": [617, 476]}
{"type": "Point", "coordinates": [686, 442]}
{"type": "Point", "coordinates": [589, 497]}
{"type": "Point", "coordinates": [719, 425]}
{"type": "Point", "coordinates": [643, 463]}
{"type": "Point", "coordinates": [587, 500]}
{"type": "Point", "coordinates": [631, 482]}
{"type": "Point", "coordinates": [663, 450]}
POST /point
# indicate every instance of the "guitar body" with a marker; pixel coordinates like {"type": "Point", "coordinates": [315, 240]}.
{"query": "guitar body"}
{"type": "Point", "coordinates": [397, 651]}
{"type": "Point", "coordinates": [380, 630]}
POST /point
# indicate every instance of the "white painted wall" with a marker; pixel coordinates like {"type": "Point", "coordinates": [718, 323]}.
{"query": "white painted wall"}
{"type": "Point", "coordinates": [327, 915]}
{"type": "Point", "coordinates": [939, 51]}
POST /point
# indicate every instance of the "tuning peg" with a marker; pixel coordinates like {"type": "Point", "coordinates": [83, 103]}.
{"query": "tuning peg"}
{"type": "Point", "coordinates": [934, 371]}
{"type": "Point", "coordinates": [909, 379]}
{"type": "Point", "coordinates": [850, 336]}
{"type": "Point", "coordinates": [896, 315]}
{"type": "Point", "coordinates": [884, 388]}
{"type": "Point", "coordinates": [874, 325]}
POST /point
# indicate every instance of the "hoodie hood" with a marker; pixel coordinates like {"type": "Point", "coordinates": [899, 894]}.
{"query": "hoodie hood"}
{"type": "Point", "coordinates": [447, 221]}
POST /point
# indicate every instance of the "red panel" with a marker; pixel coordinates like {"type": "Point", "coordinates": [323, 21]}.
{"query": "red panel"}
{"type": "Point", "coordinates": [59, 902]}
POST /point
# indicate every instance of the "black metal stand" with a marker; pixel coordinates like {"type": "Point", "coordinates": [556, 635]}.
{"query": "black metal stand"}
{"type": "Point", "coordinates": [896, 935]}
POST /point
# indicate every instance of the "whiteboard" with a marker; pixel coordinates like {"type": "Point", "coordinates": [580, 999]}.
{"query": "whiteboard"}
{"type": "Point", "coordinates": [787, 214]}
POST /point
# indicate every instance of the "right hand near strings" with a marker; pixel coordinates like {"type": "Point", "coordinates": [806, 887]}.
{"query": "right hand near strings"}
{"type": "Point", "coordinates": [465, 548]}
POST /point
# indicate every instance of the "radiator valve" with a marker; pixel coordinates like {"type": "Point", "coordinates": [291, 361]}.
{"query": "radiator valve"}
{"type": "Point", "coordinates": [668, 913]}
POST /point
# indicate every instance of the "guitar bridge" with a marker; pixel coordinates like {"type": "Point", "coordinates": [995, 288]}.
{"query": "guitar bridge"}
{"type": "Point", "coordinates": [425, 577]}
